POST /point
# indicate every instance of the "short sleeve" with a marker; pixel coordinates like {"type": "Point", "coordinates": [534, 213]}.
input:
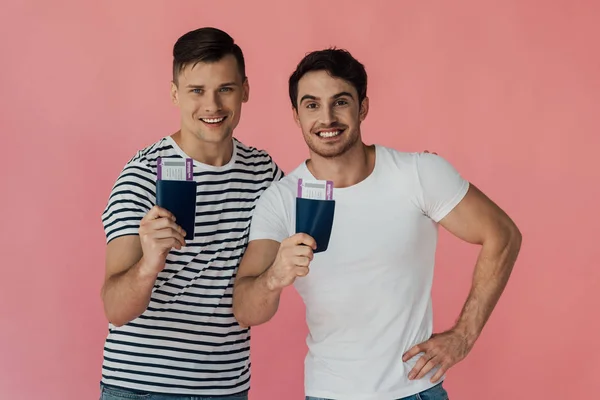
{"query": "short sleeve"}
{"type": "Point", "coordinates": [132, 196]}
{"type": "Point", "coordinates": [441, 187]}
{"type": "Point", "coordinates": [277, 172]}
{"type": "Point", "coordinates": [269, 217]}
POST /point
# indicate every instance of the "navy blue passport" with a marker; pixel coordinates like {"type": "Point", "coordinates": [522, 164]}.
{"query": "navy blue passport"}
{"type": "Point", "coordinates": [179, 197]}
{"type": "Point", "coordinates": [315, 218]}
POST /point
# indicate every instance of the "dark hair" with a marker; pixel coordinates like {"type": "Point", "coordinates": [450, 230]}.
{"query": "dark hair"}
{"type": "Point", "coordinates": [205, 45]}
{"type": "Point", "coordinates": [338, 63]}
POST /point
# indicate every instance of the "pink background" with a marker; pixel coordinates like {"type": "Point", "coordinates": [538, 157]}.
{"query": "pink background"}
{"type": "Point", "coordinates": [509, 92]}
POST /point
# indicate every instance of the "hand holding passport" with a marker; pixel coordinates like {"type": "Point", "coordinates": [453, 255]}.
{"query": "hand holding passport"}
{"type": "Point", "coordinates": [176, 191]}
{"type": "Point", "coordinates": [292, 261]}
{"type": "Point", "coordinates": [159, 233]}
{"type": "Point", "coordinates": [314, 219]}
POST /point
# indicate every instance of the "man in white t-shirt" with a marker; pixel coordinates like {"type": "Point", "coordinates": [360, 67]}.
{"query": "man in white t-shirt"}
{"type": "Point", "coordinates": [368, 295]}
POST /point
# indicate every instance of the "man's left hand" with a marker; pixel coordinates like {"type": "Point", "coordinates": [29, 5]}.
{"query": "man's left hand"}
{"type": "Point", "coordinates": [442, 350]}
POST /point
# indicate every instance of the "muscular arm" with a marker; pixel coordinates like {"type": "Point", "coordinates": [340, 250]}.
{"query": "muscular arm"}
{"type": "Point", "coordinates": [478, 220]}
{"type": "Point", "coordinates": [255, 300]}
{"type": "Point", "coordinates": [127, 289]}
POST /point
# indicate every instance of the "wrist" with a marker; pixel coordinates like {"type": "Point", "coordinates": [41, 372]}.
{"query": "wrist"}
{"type": "Point", "coordinates": [269, 281]}
{"type": "Point", "coordinates": [143, 271]}
{"type": "Point", "coordinates": [468, 334]}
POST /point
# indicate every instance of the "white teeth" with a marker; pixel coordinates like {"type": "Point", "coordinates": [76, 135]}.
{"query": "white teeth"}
{"type": "Point", "coordinates": [329, 134]}
{"type": "Point", "coordinates": [212, 120]}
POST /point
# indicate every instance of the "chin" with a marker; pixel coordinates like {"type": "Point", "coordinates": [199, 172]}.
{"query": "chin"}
{"type": "Point", "coordinates": [213, 137]}
{"type": "Point", "coordinates": [328, 153]}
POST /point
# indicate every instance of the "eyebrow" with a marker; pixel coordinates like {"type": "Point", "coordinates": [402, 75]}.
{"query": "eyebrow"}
{"type": "Point", "coordinates": [335, 96]}
{"type": "Point", "coordinates": [202, 86]}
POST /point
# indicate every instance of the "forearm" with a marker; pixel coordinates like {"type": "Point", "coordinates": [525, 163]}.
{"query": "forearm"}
{"type": "Point", "coordinates": [492, 271]}
{"type": "Point", "coordinates": [126, 295]}
{"type": "Point", "coordinates": [255, 301]}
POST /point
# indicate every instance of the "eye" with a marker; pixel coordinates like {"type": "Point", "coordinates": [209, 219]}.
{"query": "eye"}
{"type": "Point", "coordinates": [197, 91]}
{"type": "Point", "coordinates": [311, 105]}
{"type": "Point", "coordinates": [226, 89]}
{"type": "Point", "coordinates": [341, 103]}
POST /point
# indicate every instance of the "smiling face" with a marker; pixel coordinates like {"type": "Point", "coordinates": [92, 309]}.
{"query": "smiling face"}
{"type": "Point", "coordinates": [329, 114]}
{"type": "Point", "coordinates": [210, 96]}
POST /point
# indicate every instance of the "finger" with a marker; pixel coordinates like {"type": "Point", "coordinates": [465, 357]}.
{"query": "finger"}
{"type": "Point", "coordinates": [418, 366]}
{"type": "Point", "coordinates": [169, 233]}
{"type": "Point", "coordinates": [301, 271]}
{"type": "Point", "coordinates": [174, 231]}
{"type": "Point", "coordinates": [426, 151]}
{"type": "Point", "coordinates": [432, 363]}
{"type": "Point", "coordinates": [168, 243]}
{"type": "Point", "coordinates": [303, 251]}
{"type": "Point", "coordinates": [438, 375]}
{"type": "Point", "coordinates": [162, 223]}
{"type": "Point", "coordinates": [158, 212]}
{"type": "Point", "coordinates": [303, 238]}
{"type": "Point", "coordinates": [302, 261]}
{"type": "Point", "coordinates": [412, 352]}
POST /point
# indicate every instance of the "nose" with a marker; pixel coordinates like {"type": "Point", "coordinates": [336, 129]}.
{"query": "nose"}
{"type": "Point", "coordinates": [327, 116]}
{"type": "Point", "coordinates": [212, 103]}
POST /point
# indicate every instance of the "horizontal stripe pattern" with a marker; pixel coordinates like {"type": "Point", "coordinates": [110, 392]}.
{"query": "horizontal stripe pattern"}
{"type": "Point", "coordinates": [188, 341]}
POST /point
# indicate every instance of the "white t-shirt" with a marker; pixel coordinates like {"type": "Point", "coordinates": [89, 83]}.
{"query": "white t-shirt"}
{"type": "Point", "coordinates": [368, 296]}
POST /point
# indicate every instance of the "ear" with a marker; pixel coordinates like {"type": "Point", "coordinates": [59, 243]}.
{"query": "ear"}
{"type": "Point", "coordinates": [245, 91]}
{"type": "Point", "coordinates": [364, 109]}
{"type": "Point", "coordinates": [296, 117]}
{"type": "Point", "coordinates": [174, 93]}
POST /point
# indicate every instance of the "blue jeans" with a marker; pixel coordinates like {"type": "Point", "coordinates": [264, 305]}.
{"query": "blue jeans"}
{"type": "Point", "coordinates": [117, 393]}
{"type": "Point", "coordinates": [435, 393]}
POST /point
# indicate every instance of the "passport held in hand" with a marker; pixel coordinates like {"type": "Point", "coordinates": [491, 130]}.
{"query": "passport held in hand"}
{"type": "Point", "coordinates": [176, 191]}
{"type": "Point", "coordinates": [315, 209]}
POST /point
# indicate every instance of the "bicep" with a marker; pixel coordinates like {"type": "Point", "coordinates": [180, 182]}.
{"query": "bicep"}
{"type": "Point", "coordinates": [476, 219]}
{"type": "Point", "coordinates": [259, 256]}
{"type": "Point", "coordinates": [121, 254]}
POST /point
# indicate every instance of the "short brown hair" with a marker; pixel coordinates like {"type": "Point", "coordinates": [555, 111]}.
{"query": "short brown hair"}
{"type": "Point", "coordinates": [338, 63]}
{"type": "Point", "coordinates": [205, 45]}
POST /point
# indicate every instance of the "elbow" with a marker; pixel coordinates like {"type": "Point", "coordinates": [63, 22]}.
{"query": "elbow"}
{"type": "Point", "coordinates": [114, 318]}
{"type": "Point", "coordinates": [115, 322]}
{"type": "Point", "coordinates": [238, 311]}
{"type": "Point", "coordinates": [515, 238]}
{"type": "Point", "coordinates": [505, 241]}
{"type": "Point", "coordinates": [240, 317]}
{"type": "Point", "coordinates": [243, 311]}
{"type": "Point", "coordinates": [251, 307]}
{"type": "Point", "coordinates": [508, 245]}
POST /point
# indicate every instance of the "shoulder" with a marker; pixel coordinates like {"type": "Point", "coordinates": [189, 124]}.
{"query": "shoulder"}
{"type": "Point", "coordinates": [413, 161]}
{"type": "Point", "coordinates": [397, 161]}
{"type": "Point", "coordinates": [248, 152]}
{"type": "Point", "coordinates": [147, 157]}
{"type": "Point", "coordinates": [257, 160]}
{"type": "Point", "coordinates": [286, 188]}
{"type": "Point", "coordinates": [427, 164]}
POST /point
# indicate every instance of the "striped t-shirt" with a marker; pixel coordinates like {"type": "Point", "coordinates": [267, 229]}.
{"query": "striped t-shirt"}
{"type": "Point", "coordinates": [188, 341]}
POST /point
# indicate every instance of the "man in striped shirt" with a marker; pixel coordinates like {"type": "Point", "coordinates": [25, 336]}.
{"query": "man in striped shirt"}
{"type": "Point", "coordinates": [169, 300]}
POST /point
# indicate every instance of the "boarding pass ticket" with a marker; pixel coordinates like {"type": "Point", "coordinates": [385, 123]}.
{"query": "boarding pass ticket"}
{"type": "Point", "coordinates": [175, 169]}
{"type": "Point", "coordinates": [315, 189]}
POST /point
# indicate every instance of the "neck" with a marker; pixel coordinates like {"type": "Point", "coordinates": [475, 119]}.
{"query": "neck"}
{"type": "Point", "coordinates": [210, 153]}
{"type": "Point", "coordinates": [345, 170]}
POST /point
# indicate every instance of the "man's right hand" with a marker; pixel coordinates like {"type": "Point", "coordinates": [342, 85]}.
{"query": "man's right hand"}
{"type": "Point", "coordinates": [158, 235]}
{"type": "Point", "coordinates": [293, 259]}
